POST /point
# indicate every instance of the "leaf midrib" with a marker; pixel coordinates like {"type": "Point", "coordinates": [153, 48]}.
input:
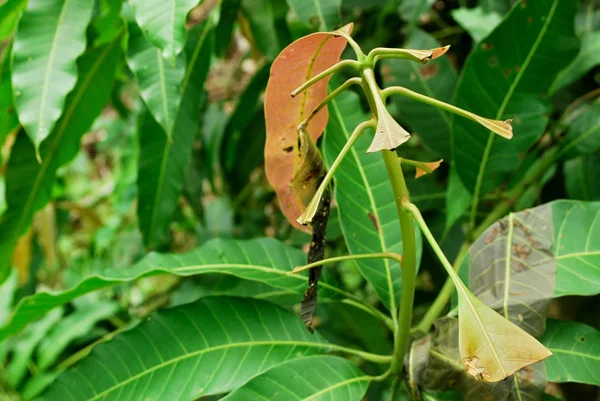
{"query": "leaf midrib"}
{"type": "Point", "coordinates": [373, 204]}
{"type": "Point", "coordinates": [507, 98]}
{"type": "Point", "coordinates": [203, 351]}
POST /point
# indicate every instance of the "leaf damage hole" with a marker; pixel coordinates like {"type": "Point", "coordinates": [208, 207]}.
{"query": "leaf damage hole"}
{"type": "Point", "coordinates": [288, 149]}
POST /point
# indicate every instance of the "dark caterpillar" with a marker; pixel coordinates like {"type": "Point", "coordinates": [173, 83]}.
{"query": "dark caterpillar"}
{"type": "Point", "coordinates": [316, 252]}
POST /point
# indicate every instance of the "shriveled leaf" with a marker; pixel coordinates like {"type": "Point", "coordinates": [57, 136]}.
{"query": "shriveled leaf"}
{"type": "Point", "coordinates": [298, 62]}
{"type": "Point", "coordinates": [209, 347]}
{"type": "Point", "coordinates": [310, 169]}
{"type": "Point", "coordinates": [264, 260]}
{"type": "Point", "coordinates": [159, 81]}
{"type": "Point", "coordinates": [497, 82]}
{"type": "Point", "coordinates": [427, 168]}
{"type": "Point", "coordinates": [28, 183]}
{"type": "Point", "coordinates": [50, 37]}
{"type": "Point", "coordinates": [163, 22]}
{"type": "Point", "coordinates": [491, 347]}
{"type": "Point", "coordinates": [388, 134]}
{"type": "Point", "coordinates": [477, 22]}
{"type": "Point", "coordinates": [163, 161]}
{"type": "Point", "coordinates": [587, 58]}
{"type": "Point", "coordinates": [322, 14]}
{"type": "Point", "coordinates": [436, 79]}
{"type": "Point", "coordinates": [576, 347]}
{"type": "Point", "coordinates": [330, 377]}
{"type": "Point", "coordinates": [365, 199]}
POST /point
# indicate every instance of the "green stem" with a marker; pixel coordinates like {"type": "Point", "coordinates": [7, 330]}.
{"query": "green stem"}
{"type": "Point", "coordinates": [409, 257]}
{"type": "Point", "coordinates": [357, 50]}
{"type": "Point", "coordinates": [312, 207]}
{"type": "Point", "coordinates": [331, 96]}
{"type": "Point", "coordinates": [334, 68]}
{"type": "Point", "coordinates": [445, 294]}
{"type": "Point", "coordinates": [376, 358]}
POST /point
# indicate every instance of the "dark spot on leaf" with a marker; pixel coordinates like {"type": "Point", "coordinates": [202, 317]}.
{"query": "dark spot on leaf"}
{"type": "Point", "coordinates": [288, 149]}
{"type": "Point", "coordinates": [385, 70]}
{"type": "Point", "coordinates": [517, 68]}
{"type": "Point", "coordinates": [429, 70]}
{"type": "Point", "coordinates": [529, 20]}
{"type": "Point", "coordinates": [524, 4]}
{"type": "Point", "coordinates": [582, 339]}
{"type": "Point", "coordinates": [373, 220]}
{"type": "Point", "coordinates": [10, 110]}
{"type": "Point", "coordinates": [493, 61]}
{"type": "Point", "coordinates": [487, 46]}
{"type": "Point", "coordinates": [507, 71]}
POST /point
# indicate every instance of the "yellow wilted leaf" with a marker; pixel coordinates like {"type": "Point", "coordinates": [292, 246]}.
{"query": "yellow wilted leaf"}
{"type": "Point", "coordinates": [491, 347]}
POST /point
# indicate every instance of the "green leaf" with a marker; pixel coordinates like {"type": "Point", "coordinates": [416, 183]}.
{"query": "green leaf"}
{"type": "Point", "coordinates": [261, 19]}
{"type": "Point", "coordinates": [28, 183]}
{"type": "Point", "coordinates": [583, 134]}
{"type": "Point", "coordinates": [24, 345]}
{"type": "Point", "coordinates": [477, 22]}
{"type": "Point", "coordinates": [72, 327]}
{"type": "Point", "coordinates": [587, 58]}
{"type": "Point", "coordinates": [108, 23]}
{"type": "Point", "coordinates": [366, 206]}
{"type": "Point", "coordinates": [209, 347]}
{"type": "Point", "coordinates": [264, 260]}
{"type": "Point", "coordinates": [411, 11]}
{"type": "Point", "coordinates": [458, 199]}
{"type": "Point", "coordinates": [576, 349]}
{"type": "Point", "coordinates": [37, 384]}
{"type": "Point", "coordinates": [321, 14]}
{"type": "Point", "coordinates": [436, 79]}
{"type": "Point", "coordinates": [10, 13]}
{"type": "Point", "coordinates": [163, 23]}
{"type": "Point", "coordinates": [498, 6]}
{"type": "Point", "coordinates": [507, 76]}
{"type": "Point", "coordinates": [582, 175]}
{"type": "Point", "coordinates": [8, 118]}
{"type": "Point", "coordinates": [226, 26]}
{"type": "Point", "coordinates": [158, 81]}
{"type": "Point", "coordinates": [303, 379]}
{"type": "Point", "coordinates": [163, 161]}
{"type": "Point", "coordinates": [50, 37]}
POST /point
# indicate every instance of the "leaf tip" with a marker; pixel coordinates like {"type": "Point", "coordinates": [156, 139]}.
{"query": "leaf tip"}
{"type": "Point", "coordinates": [427, 168]}
{"type": "Point", "coordinates": [439, 51]}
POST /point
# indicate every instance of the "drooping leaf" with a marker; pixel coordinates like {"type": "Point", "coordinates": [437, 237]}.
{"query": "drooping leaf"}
{"type": "Point", "coordinates": [310, 378]}
{"type": "Point", "coordinates": [321, 14]}
{"type": "Point", "coordinates": [477, 22]}
{"type": "Point", "coordinates": [582, 175]}
{"type": "Point", "coordinates": [72, 327]}
{"type": "Point", "coordinates": [583, 133]}
{"type": "Point", "coordinates": [159, 81]}
{"type": "Point", "coordinates": [28, 183]}
{"type": "Point", "coordinates": [497, 82]}
{"type": "Point", "coordinates": [163, 23]}
{"type": "Point", "coordinates": [436, 79]}
{"type": "Point", "coordinates": [209, 347]}
{"type": "Point", "coordinates": [298, 62]}
{"type": "Point", "coordinates": [587, 58]}
{"type": "Point", "coordinates": [365, 200]}
{"type": "Point", "coordinates": [576, 348]}
{"type": "Point", "coordinates": [24, 345]}
{"type": "Point", "coordinates": [163, 161]}
{"type": "Point", "coordinates": [10, 13]}
{"type": "Point", "coordinates": [50, 37]}
{"type": "Point", "coordinates": [437, 366]}
{"type": "Point", "coordinates": [263, 260]}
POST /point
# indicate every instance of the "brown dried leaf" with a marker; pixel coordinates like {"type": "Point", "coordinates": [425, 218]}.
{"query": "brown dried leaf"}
{"type": "Point", "coordinates": [431, 166]}
{"type": "Point", "coordinates": [297, 63]}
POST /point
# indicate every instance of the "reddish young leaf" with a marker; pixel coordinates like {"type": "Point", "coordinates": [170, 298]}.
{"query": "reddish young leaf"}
{"type": "Point", "coordinates": [297, 63]}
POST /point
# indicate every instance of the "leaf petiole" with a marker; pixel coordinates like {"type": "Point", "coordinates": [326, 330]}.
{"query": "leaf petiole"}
{"type": "Point", "coordinates": [323, 74]}
{"type": "Point", "coordinates": [311, 209]}
{"type": "Point", "coordinates": [379, 255]}
{"type": "Point", "coordinates": [420, 56]}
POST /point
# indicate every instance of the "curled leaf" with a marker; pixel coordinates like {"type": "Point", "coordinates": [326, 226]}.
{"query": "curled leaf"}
{"type": "Point", "coordinates": [420, 56]}
{"type": "Point", "coordinates": [427, 168]}
{"type": "Point", "coordinates": [303, 59]}
{"type": "Point", "coordinates": [502, 128]}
